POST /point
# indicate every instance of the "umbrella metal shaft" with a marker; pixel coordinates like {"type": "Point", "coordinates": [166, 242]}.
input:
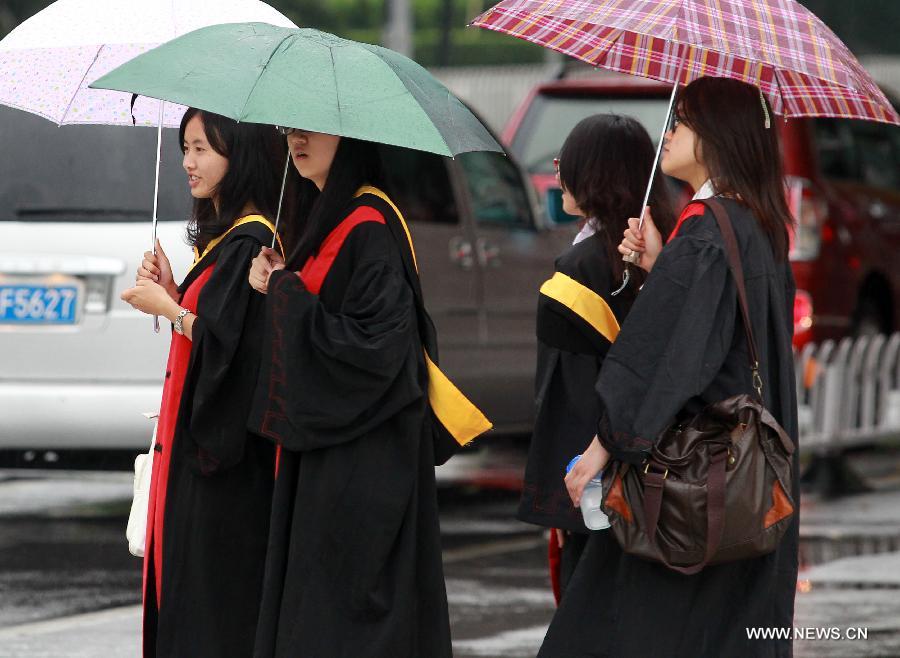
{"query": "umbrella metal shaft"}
{"type": "Point", "coordinates": [662, 138]}
{"type": "Point", "coordinates": [659, 146]}
{"type": "Point", "coordinates": [159, 130]}
{"type": "Point", "coordinates": [287, 164]}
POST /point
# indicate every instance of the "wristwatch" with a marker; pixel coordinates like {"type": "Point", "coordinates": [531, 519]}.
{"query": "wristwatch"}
{"type": "Point", "coordinates": [179, 321]}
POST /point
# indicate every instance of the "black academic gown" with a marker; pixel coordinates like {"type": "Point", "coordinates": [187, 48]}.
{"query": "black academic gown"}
{"type": "Point", "coordinates": [220, 477]}
{"type": "Point", "coordinates": [682, 347]}
{"type": "Point", "coordinates": [571, 350]}
{"type": "Point", "coordinates": [570, 354]}
{"type": "Point", "coordinates": [354, 567]}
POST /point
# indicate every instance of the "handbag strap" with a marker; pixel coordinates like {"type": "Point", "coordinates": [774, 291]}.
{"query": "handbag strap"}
{"type": "Point", "coordinates": [654, 483]}
{"type": "Point", "coordinates": [734, 261]}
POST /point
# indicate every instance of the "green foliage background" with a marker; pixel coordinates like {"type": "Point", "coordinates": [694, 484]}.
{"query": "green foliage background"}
{"type": "Point", "coordinates": [867, 26]}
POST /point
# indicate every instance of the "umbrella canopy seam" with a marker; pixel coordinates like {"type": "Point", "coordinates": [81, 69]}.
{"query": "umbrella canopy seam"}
{"type": "Point", "coordinates": [265, 66]}
{"type": "Point", "coordinates": [65, 113]}
{"type": "Point", "coordinates": [409, 91]}
{"type": "Point", "coordinates": [337, 92]}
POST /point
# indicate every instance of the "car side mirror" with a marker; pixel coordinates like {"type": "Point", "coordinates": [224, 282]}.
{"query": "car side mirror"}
{"type": "Point", "coordinates": [554, 205]}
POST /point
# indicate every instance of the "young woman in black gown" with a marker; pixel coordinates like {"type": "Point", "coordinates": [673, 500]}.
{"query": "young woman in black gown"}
{"type": "Point", "coordinates": [354, 566]}
{"type": "Point", "coordinates": [578, 317]}
{"type": "Point", "coordinates": [212, 481]}
{"type": "Point", "coordinates": [681, 348]}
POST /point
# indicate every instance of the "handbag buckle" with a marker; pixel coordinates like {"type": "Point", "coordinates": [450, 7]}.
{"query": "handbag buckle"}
{"type": "Point", "coordinates": [647, 468]}
{"type": "Point", "coordinates": [757, 380]}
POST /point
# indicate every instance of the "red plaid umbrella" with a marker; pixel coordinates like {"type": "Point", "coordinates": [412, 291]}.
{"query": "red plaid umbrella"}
{"type": "Point", "coordinates": [777, 45]}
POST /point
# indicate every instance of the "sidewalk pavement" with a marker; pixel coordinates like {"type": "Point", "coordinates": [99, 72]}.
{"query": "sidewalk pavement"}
{"type": "Point", "coordinates": [852, 547]}
{"type": "Point", "coordinates": [113, 633]}
{"type": "Point", "coordinates": [845, 592]}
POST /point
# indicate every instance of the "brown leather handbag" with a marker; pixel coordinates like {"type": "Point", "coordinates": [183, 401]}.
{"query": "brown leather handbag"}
{"type": "Point", "coordinates": [714, 489]}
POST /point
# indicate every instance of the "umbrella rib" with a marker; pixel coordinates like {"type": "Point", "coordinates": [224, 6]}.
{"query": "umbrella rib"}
{"type": "Point", "coordinates": [450, 95]}
{"type": "Point", "coordinates": [259, 77]}
{"type": "Point", "coordinates": [62, 118]}
{"type": "Point", "coordinates": [337, 94]}
{"type": "Point", "coordinates": [611, 43]}
{"type": "Point", "coordinates": [776, 74]}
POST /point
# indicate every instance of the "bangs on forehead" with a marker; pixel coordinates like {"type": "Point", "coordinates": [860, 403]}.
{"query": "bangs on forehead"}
{"type": "Point", "coordinates": [680, 114]}
{"type": "Point", "coordinates": [217, 130]}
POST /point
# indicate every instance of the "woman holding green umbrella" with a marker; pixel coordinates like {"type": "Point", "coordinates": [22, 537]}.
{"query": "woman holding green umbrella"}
{"type": "Point", "coordinates": [354, 565]}
{"type": "Point", "coordinates": [211, 487]}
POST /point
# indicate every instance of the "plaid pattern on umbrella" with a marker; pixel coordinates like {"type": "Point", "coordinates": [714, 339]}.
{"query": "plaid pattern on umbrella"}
{"type": "Point", "coordinates": [777, 45]}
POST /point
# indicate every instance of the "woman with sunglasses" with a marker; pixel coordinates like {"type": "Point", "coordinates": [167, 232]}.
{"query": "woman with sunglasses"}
{"type": "Point", "coordinates": [682, 348]}
{"type": "Point", "coordinates": [354, 565]}
{"type": "Point", "coordinates": [211, 487]}
{"type": "Point", "coordinates": [578, 317]}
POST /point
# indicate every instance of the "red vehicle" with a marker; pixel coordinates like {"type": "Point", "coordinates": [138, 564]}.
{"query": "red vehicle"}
{"type": "Point", "coordinates": [843, 187]}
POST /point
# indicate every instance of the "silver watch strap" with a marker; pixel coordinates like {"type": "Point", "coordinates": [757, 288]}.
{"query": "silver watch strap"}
{"type": "Point", "coordinates": [179, 321]}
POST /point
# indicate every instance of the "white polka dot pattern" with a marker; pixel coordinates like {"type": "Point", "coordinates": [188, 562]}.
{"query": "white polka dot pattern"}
{"type": "Point", "coordinates": [47, 62]}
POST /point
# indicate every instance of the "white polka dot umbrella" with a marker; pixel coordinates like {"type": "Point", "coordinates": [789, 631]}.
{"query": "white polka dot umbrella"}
{"type": "Point", "coordinates": [47, 62]}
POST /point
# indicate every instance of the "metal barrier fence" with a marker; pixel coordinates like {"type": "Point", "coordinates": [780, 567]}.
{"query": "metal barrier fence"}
{"type": "Point", "coordinates": [848, 393]}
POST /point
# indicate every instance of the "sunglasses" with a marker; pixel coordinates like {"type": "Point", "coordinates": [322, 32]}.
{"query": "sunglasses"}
{"type": "Point", "coordinates": [285, 131]}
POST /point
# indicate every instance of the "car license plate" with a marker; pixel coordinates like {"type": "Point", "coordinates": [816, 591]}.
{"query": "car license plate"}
{"type": "Point", "coordinates": [32, 303]}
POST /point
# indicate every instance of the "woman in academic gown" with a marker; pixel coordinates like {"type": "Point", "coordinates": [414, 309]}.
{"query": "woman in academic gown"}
{"type": "Point", "coordinates": [354, 567]}
{"type": "Point", "coordinates": [211, 487]}
{"type": "Point", "coordinates": [578, 317]}
{"type": "Point", "coordinates": [681, 348]}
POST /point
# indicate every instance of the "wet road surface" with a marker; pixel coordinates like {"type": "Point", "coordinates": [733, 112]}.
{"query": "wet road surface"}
{"type": "Point", "coordinates": [68, 586]}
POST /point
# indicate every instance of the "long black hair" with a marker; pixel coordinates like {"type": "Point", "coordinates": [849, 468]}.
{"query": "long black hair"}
{"type": "Point", "coordinates": [255, 158]}
{"type": "Point", "coordinates": [314, 214]}
{"type": "Point", "coordinates": [604, 164]}
{"type": "Point", "coordinates": [742, 156]}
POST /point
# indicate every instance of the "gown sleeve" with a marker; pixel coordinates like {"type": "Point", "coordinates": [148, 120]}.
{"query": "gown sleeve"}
{"type": "Point", "coordinates": [225, 355]}
{"type": "Point", "coordinates": [330, 376]}
{"type": "Point", "coordinates": [672, 344]}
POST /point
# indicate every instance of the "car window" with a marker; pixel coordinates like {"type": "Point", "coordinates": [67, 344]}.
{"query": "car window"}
{"type": "Point", "coordinates": [551, 118]}
{"type": "Point", "coordinates": [834, 149]}
{"type": "Point", "coordinates": [877, 153]}
{"type": "Point", "coordinates": [496, 189]}
{"type": "Point", "coordinates": [86, 173]}
{"type": "Point", "coordinates": [419, 183]}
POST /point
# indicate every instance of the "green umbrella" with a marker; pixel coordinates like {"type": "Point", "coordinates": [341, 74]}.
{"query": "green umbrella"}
{"type": "Point", "coordinates": [304, 78]}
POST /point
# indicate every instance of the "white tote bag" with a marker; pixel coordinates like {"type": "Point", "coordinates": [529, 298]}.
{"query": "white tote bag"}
{"type": "Point", "coordinates": [136, 530]}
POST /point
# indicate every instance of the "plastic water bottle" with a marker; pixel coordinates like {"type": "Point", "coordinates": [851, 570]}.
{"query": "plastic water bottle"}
{"type": "Point", "coordinates": [591, 512]}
